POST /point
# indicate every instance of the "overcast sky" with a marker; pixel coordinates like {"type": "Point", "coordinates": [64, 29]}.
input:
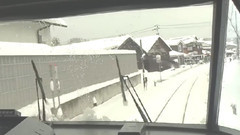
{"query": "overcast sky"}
{"type": "Point", "coordinates": [173, 22]}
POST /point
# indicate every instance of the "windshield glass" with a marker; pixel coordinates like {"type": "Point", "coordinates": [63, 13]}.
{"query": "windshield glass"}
{"type": "Point", "coordinates": [141, 65]}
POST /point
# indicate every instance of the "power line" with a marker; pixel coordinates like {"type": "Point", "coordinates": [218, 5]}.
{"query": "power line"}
{"type": "Point", "coordinates": [186, 24]}
{"type": "Point", "coordinates": [159, 27]}
{"type": "Point", "coordinates": [144, 29]}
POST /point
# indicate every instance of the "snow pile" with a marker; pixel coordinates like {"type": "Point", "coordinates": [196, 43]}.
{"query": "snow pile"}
{"type": "Point", "coordinates": [31, 110]}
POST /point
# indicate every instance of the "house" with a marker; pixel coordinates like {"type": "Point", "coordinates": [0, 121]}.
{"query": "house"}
{"type": "Point", "coordinates": [231, 46]}
{"type": "Point", "coordinates": [177, 57]}
{"type": "Point", "coordinates": [38, 31]}
{"type": "Point", "coordinates": [130, 44]}
{"type": "Point", "coordinates": [206, 48]}
{"type": "Point", "coordinates": [155, 45]}
{"type": "Point", "coordinates": [176, 45]}
{"type": "Point", "coordinates": [206, 44]}
{"type": "Point", "coordinates": [190, 44]}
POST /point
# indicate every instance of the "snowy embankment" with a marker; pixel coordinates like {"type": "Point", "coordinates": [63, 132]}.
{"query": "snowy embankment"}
{"type": "Point", "coordinates": [32, 109]}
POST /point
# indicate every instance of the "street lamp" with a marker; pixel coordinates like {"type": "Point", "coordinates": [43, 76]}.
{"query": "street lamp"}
{"type": "Point", "coordinates": [158, 60]}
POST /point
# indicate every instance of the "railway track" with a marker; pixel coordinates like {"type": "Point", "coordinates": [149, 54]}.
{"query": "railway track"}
{"type": "Point", "coordinates": [175, 92]}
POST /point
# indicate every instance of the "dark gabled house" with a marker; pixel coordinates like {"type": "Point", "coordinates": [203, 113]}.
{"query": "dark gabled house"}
{"type": "Point", "coordinates": [130, 44]}
{"type": "Point", "coordinates": [155, 45]}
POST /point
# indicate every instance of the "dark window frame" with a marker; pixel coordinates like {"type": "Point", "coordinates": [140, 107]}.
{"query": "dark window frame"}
{"type": "Point", "coordinates": [9, 11]}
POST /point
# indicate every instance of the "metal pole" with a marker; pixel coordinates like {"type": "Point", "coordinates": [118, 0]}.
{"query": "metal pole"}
{"type": "Point", "coordinates": [52, 85]}
{"type": "Point", "coordinates": [143, 68]}
{"type": "Point", "coordinates": [39, 115]}
{"type": "Point", "coordinates": [219, 32]}
{"type": "Point", "coordinates": [160, 72]}
{"type": "Point", "coordinates": [121, 80]}
{"type": "Point", "coordinates": [237, 34]}
{"type": "Point", "coordinates": [57, 84]}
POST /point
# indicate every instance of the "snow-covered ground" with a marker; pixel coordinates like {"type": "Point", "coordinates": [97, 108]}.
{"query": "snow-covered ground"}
{"type": "Point", "coordinates": [180, 98]}
{"type": "Point", "coordinates": [156, 97]}
{"type": "Point", "coordinates": [230, 96]}
{"type": "Point", "coordinates": [31, 109]}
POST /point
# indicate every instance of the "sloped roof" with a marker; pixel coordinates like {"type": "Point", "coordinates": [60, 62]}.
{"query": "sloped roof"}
{"type": "Point", "coordinates": [148, 42]}
{"type": "Point", "coordinates": [100, 44]}
{"type": "Point", "coordinates": [172, 42]}
{"type": "Point", "coordinates": [186, 39]}
{"type": "Point", "coordinates": [53, 21]}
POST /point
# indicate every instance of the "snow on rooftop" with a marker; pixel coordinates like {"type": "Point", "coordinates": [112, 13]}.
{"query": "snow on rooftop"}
{"type": "Point", "coordinates": [54, 21]}
{"type": "Point", "coordinates": [186, 39]}
{"type": "Point", "coordinates": [229, 51]}
{"type": "Point", "coordinates": [172, 42]}
{"type": "Point", "coordinates": [207, 42]}
{"type": "Point", "coordinates": [175, 53]}
{"type": "Point", "coordinates": [231, 43]}
{"type": "Point", "coordinates": [14, 48]}
{"type": "Point", "coordinates": [148, 41]}
{"type": "Point", "coordinates": [100, 44]}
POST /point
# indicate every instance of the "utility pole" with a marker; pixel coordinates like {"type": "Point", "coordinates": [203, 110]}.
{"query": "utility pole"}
{"type": "Point", "coordinates": [156, 28]}
{"type": "Point", "coordinates": [143, 67]}
{"type": "Point", "coordinates": [237, 35]}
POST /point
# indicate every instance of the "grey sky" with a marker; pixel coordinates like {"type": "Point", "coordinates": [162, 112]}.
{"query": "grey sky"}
{"type": "Point", "coordinates": [194, 20]}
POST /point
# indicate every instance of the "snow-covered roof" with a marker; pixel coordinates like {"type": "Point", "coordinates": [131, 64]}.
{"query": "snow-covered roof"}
{"type": "Point", "coordinates": [206, 42]}
{"type": "Point", "coordinates": [172, 42]}
{"type": "Point", "coordinates": [206, 52]}
{"type": "Point", "coordinates": [229, 51]}
{"type": "Point", "coordinates": [148, 41]}
{"type": "Point", "coordinates": [13, 48]}
{"type": "Point", "coordinates": [175, 53]}
{"type": "Point", "coordinates": [186, 39]}
{"type": "Point", "coordinates": [54, 21]}
{"type": "Point", "coordinates": [100, 44]}
{"type": "Point", "coordinates": [231, 44]}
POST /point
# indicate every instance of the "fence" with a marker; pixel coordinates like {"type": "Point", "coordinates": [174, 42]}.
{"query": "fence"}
{"type": "Point", "coordinates": [17, 79]}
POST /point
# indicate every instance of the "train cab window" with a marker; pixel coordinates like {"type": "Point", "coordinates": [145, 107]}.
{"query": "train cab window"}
{"type": "Point", "coordinates": [98, 67]}
{"type": "Point", "coordinates": [76, 59]}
